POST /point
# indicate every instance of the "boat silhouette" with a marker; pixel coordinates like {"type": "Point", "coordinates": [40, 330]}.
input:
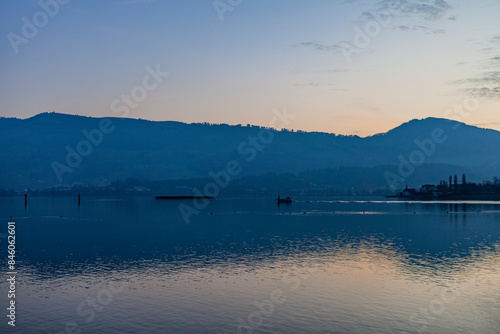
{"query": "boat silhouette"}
{"type": "Point", "coordinates": [285, 200]}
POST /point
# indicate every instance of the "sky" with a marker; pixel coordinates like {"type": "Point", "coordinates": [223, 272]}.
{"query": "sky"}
{"type": "Point", "coordinates": [348, 67]}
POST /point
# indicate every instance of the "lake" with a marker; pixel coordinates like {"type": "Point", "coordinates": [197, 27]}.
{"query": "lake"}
{"type": "Point", "coordinates": [247, 265]}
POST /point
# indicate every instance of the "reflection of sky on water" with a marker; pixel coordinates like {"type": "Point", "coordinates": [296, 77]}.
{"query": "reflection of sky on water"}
{"type": "Point", "coordinates": [358, 271]}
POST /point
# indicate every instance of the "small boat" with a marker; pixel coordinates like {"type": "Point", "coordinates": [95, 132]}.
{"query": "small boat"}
{"type": "Point", "coordinates": [286, 200]}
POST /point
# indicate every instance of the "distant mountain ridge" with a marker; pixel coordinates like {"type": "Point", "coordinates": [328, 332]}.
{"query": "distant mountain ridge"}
{"type": "Point", "coordinates": [34, 151]}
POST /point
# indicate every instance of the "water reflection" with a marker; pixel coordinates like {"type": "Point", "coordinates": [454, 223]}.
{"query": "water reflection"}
{"type": "Point", "coordinates": [137, 230]}
{"type": "Point", "coordinates": [347, 256]}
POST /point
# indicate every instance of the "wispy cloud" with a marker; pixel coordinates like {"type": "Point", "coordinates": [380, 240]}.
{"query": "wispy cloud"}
{"type": "Point", "coordinates": [485, 78]}
{"type": "Point", "coordinates": [339, 47]}
{"type": "Point", "coordinates": [487, 83]}
{"type": "Point", "coordinates": [489, 93]}
{"type": "Point", "coordinates": [426, 12]}
{"type": "Point", "coordinates": [427, 30]}
{"type": "Point", "coordinates": [491, 62]}
{"type": "Point", "coordinates": [429, 10]}
{"type": "Point", "coordinates": [321, 85]}
{"type": "Point", "coordinates": [322, 47]}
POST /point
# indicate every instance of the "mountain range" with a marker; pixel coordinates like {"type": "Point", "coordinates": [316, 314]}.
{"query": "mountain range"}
{"type": "Point", "coordinates": [58, 149]}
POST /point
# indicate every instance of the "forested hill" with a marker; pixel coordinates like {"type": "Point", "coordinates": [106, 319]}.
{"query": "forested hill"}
{"type": "Point", "coordinates": [52, 148]}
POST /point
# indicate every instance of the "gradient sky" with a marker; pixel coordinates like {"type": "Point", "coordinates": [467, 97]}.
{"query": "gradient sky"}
{"type": "Point", "coordinates": [428, 56]}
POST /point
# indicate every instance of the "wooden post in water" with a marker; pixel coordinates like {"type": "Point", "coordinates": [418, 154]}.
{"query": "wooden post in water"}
{"type": "Point", "coordinates": [25, 200]}
{"type": "Point", "coordinates": [78, 199]}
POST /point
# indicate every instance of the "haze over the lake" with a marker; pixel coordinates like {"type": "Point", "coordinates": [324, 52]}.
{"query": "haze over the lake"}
{"type": "Point", "coordinates": [348, 67]}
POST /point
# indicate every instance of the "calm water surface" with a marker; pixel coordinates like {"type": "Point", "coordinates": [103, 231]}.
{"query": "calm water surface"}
{"type": "Point", "coordinates": [245, 265]}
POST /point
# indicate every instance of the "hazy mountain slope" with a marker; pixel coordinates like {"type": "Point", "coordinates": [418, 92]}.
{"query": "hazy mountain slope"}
{"type": "Point", "coordinates": [165, 150]}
